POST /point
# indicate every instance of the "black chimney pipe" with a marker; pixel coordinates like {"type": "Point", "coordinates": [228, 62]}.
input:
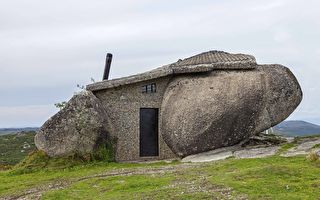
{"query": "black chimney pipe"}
{"type": "Point", "coordinates": [107, 66]}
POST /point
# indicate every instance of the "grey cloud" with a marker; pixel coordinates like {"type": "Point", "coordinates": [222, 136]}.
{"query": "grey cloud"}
{"type": "Point", "coordinates": [47, 47]}
{"type": "Point", "coordinates": [25, 116]}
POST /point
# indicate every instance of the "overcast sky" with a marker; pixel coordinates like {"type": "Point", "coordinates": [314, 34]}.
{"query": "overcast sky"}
{"type": "Point", "coordinates": [48, 47]}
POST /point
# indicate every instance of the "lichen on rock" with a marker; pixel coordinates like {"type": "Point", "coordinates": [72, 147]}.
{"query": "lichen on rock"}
{"type": "Point", "coordinates": [81, 127]}
{"type": "Point", "coordinates": [203, 112]}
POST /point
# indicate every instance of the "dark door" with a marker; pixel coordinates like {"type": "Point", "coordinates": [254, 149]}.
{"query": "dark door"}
{"type": "Point", "coordinates": [149, 132]}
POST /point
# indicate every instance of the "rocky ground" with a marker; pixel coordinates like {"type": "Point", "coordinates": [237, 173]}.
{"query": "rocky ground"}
{"type": "Point", "coordinates": [259, 147]}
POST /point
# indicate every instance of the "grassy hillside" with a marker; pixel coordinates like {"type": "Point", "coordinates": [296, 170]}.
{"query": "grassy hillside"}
{"type": "Point", "coordinates": [4, 131]}
{"type": "Point", "coordinates": [14, 147]}
{"type": "Point", "coordinates": [265, 178]}
{"type": "Point", "coordinates": [297, 128]}
{"type": "Point", "coordinates": [40, 177]}
{"type": "Point", "coordinates": [72, 177]}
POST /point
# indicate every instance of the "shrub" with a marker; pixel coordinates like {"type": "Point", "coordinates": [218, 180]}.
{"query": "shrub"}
{"type": "Point", "coordinates": [37, 160]}
{"type": "Point", "coordinates": [104, 153]}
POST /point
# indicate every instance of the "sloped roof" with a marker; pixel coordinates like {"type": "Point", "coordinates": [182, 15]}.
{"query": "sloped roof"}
{"type": "Point", "coordinates": [204, 62]}
{"type": "Point", "coordinates": [211, 57]}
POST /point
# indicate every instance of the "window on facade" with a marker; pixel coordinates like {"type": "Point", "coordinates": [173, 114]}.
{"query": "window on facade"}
{"type": "Point", "coordinates": [151, 88]}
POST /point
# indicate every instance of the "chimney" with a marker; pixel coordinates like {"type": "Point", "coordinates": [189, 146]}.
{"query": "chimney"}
{"type": "Point", "coordinates": [107, 67]}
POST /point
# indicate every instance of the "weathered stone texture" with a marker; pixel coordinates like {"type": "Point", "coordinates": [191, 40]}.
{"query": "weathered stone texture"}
{"type": "Point", "coordinates": [208, 101]}
{"type": "Point", "coordinates": [222, 108]}
{"type": "Point", "coordinates": [79, 128]}
{"type": "Point", "coordinates": [282, 95]}
{"type": "Point", "coordinates": [123, 105]}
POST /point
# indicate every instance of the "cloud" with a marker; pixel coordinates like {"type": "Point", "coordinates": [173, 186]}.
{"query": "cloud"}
{"type": "Point", "coordinates": [270, 5]}
{"type": "Point", "coordinates": [25, 116]}
{"type": "Point", "coordinates": [47, 47]}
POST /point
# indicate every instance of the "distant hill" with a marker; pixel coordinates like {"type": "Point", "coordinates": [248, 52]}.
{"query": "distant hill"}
{"type": "Point", "coordinates": [297, 128]}
{"type": "Point", "coordinates": [14, 147]}
{"type": "Point", "coordinates": [4, 131]}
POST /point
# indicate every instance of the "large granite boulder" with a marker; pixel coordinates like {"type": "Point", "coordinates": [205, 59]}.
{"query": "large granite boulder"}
{"type": "Point", "coordinates": [202, 112]}
{"type": "Point", "coordinates": [79, 128]}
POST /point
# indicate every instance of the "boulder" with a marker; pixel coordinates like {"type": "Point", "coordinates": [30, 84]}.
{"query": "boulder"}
{"type": "Point", "coordinates": [203, 112]}
{"type": "Point", "coordinates": [79, 128]}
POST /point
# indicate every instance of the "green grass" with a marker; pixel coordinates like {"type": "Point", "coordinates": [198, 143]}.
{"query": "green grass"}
{"type": "Point", "coordinates": [16, 180]}
{"type": "Point", "coordinates": [269, 178]}
{"type": "Point", "coordinates": [286, 146]}
{"type": "Point", "coordinates": [37, 160]}
{"type": "Point", "coordinates": [85, 177]}
{"type": "Point", "coordinates": [15, 147]}
{"type": "Point", "coordinates": [266, 178]}
{"type": "Point", "coordinates": [132, 187]}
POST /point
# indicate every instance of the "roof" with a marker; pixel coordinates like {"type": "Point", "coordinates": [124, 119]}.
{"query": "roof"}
{"type": "Point", "coordinates": [204, 62]}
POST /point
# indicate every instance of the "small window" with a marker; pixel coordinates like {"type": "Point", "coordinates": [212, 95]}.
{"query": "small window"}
{"type": "Point", "coordinates": [144, 89]}
{"type": "Point", "coordinates": [151, 88]}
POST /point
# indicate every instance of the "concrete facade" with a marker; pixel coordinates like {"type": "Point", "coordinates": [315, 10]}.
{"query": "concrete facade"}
{"type": "Point", "coordinates": [122, 105]}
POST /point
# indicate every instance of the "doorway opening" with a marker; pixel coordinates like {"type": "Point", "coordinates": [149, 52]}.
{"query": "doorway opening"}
{"type": "Point", "coordinates": [149, 137]}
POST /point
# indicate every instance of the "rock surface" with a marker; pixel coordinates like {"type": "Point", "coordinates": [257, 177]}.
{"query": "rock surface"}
{"type": "Point", "coordinates": [302, 149]}
{"type": "Point", "coordinates": [80, 127]}
{"type": "Point", "coordinates": [233, 151]}
{"type": "Point", "coordinates": [254, 147]}
{"type": "Point", "coordinates": [260, 152]}
{"type": "Point", "coordinates": [219, 109]}
{"type": "Point", "coordinates": [217, 154]}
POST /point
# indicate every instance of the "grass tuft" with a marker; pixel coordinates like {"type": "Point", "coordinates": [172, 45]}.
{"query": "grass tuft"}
{"type": "Point", "coordinates": [104, 153]}
{"type": "Point", "coordinates": [313, 156]}
{"type": "Point", "coordinates": [285, 147]}
{"type": "Point", "coordinates": [37, 160]}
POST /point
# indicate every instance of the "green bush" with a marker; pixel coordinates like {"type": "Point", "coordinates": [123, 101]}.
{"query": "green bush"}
{"type": "Point", "coordinates": [104, 153]}
{"type": "Point", "coordinates": [40, 160]}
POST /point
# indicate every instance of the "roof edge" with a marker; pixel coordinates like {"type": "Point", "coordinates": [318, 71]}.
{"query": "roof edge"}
{"type": "Point", "coordinates": [176, 68]}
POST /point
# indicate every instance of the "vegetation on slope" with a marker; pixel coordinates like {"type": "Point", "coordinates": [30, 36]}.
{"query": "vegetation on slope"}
{"type": "Point", "coordinates": [95, 176]}
{"type": "Point", "coordinates": [15, 147]}
{"type": "Point", "coordinates": [38, 160]}
{"type": "Point", "coordinates": [265, 178]}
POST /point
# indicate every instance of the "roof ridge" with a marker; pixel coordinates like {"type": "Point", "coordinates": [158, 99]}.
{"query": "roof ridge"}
{"type": "Point", "coordinates": [203, 62]}
{"type": "Point", "coordinates": [214, 56]}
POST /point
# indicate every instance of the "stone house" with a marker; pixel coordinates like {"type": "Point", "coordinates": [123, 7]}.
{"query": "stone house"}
{"type": "Point", "coordinates": [208, 101]}
{"type": "Point", "coordinates": [134, 103]}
